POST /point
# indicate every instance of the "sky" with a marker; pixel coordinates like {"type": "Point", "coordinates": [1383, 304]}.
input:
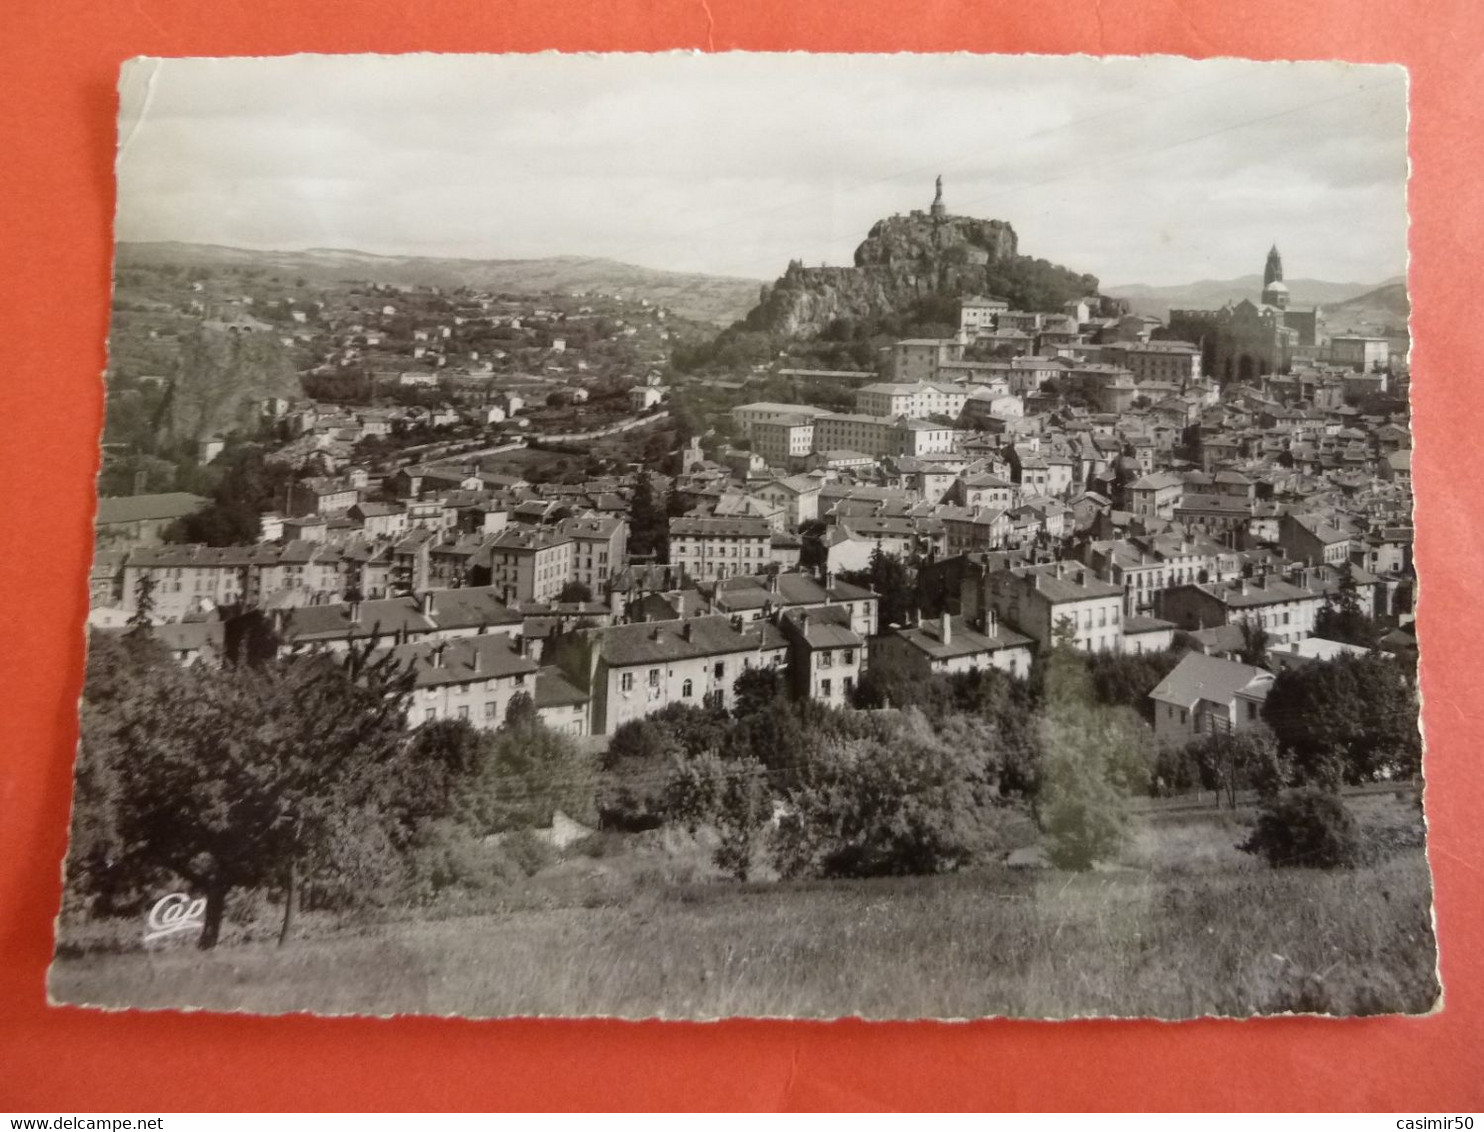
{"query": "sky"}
{"type": "Point", "coordinates": [1156, 170]}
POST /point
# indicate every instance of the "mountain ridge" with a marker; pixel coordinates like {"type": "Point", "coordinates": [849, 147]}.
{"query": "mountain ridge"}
{"type": "Point", "coordinates": [715, 299]}
{"type": "Point", "coordinates": [1158, 300]}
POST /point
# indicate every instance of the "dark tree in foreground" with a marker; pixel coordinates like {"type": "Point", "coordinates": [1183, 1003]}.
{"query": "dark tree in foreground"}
{"type": "Point", "coordinates": [240, 776]}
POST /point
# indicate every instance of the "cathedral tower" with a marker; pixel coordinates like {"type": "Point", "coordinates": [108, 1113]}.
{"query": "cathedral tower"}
{"type": "Point", "coordinates": [1274, 290]}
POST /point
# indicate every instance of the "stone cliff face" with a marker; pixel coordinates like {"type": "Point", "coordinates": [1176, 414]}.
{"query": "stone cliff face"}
{"type": "Point", "coordinates": [221, 379]}
{"type": "Point", "coordinates": [907, 258]}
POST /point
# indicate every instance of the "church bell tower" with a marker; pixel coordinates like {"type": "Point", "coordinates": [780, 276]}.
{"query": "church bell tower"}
{"type": "Point", "coordinates": [1274, 290]}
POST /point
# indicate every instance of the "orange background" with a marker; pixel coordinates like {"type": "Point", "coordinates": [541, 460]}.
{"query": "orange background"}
{"type": "Point", "coordinates": [60, 59]}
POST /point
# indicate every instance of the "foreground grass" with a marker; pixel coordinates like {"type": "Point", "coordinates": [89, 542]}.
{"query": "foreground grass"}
{"type": "Point", "coordinates": [1128, 942]}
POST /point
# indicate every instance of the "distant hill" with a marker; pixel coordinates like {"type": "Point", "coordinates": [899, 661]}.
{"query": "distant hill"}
{"type": "Point", "coordinates": [1382, 312]}
{"type": "Point", "coordinates": [1210, 293]}
{"type": "Point", "coordinates": [705, 298]}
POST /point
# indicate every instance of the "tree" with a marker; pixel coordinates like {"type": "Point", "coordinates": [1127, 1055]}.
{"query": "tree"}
{"type": "Point", "coordinates": [240, 775]}
{"type": "Point", "coordinates": [250, 485]}
{"type": "Point", "coordinates": [575, 591]}
{"type": "Point", "coordinates": [891, 802]}
{"type": "Point", "coordinates": [521, 710]}
{"type": "Point", "coordinates": [893, 583]}
{"type": "Point", "coordinates": [443, 756]}
{"type": "Point", "coordinates": [1231, 761]}
{"type": "Point", "coordinates": [649, 529]}
{"type": "Point", "coordinates": [1341, 617]}
{"type": "Point", "coordinates": [1255, 638]}
{"type": "Point", "coordinates": [1092, 760]}
{"type": "Point", "coordinates": [141, 621]}
{"type": "Point", "coordinates": [1350, 719]}
{"type": "Point", "coordinates": [757, 689]}
{"type": "Point", "coordinates": [1126, 679]}
{"type": "Point", "coordinates": [731, 796]}
{"type": "Point", "coordinates": [529, 773]}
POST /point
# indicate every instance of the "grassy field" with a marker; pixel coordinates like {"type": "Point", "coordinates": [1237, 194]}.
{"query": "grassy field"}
{"type": "Point", "coordinates": [1184, 925]}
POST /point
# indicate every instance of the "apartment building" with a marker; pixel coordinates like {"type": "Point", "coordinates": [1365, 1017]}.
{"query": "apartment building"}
{"type": "Point", "coordinates": [708, 549]}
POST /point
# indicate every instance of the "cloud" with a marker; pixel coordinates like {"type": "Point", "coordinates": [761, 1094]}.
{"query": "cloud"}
{"type": "Point", "coordinates": [1134, 169]}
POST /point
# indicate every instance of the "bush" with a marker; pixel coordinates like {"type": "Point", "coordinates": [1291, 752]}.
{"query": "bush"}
{"type": "Point", "coordinates": [895, 804]}
{"type": "Point", "coordinates": [1305, 828]}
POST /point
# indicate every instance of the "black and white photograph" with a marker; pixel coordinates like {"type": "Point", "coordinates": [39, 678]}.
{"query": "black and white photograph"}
{"type": "Point", "coordinates": [803, 536]}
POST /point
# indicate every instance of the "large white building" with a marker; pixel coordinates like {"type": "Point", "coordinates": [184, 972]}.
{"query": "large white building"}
{"type": "Point", "coordinates": [632, 671]}
{"type": "Point", "coordinates": [745, 416]}
{"type": "Point", "coordinates": [880, 436]}
{"type": "Point", "coordinates": [708, 549]}
{"type": "Point", "coordinates": [912, 399]}
{"type": "Point", "coordinates": [784, 441]}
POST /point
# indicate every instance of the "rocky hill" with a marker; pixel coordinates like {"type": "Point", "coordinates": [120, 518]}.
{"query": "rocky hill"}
{"type": "Point", "coordinates": [906, 259]}
{"type": "Point", "coordinates": [222, 377]}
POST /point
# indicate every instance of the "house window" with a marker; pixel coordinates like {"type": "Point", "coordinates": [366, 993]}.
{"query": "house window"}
{"type": "Point", "coordinates": [849, 659]}
{"type": "Point", "coordinates": [720, 670]}
{"type": "Point", "coordinates": [654, 677]}
{"type": "Point", "coordinates": [1251, 711]}
{"type": "Point", "coordinates": [826, 659]}
{"type": "Point", "coordinates": [686, 689]}
{"type": "Point", "coordinates": [849, 685]}
{"type": "Point", "coordinates": [824, 688]}
{"type": "Point", "coordinates": [1183, 715]}
{"type": "Point", "coordinates": [489, 711]}
{"type": "Point", "coordinates": [626, 682]}
{"type": "Point", "coordinates": [464, 712]}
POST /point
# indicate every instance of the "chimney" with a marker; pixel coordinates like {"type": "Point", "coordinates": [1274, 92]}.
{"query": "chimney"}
{"type": "Point", "coordinates": [525, 646]}
{"type": "Point", "coordinates": [436, 656]}
{"type": "Point", "coordinates": [427, 604]}
{"type": "Point", "coordinates": [772, 583]}
{"type": "Point", "coordinates": [355, 611]}
{"type": "Point", "coordinates": [685, 631]}
{"type": "Point", "coordinates": [1082, 577]}
{"type": "Point", "coordinates": [945, 631]}
{"type": "Point", "coordinates": [474, 661]}
{"type": "Point", "coordinates": [654, 634]}
{"type": "Point", "coordinates": [1242, 586]}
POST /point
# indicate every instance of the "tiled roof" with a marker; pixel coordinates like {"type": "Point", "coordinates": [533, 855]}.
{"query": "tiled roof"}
{"type": "Point", "coordinates": [1200, 677]}
{"type": "Point", "coordinates": [824, 628]}
{"type": "Point", "coordinates": [720, 528]}
{"type": "Point", "coordinates": [927, 637]}
{"type": "Point", "coordinates": [657, 642]}
{"type": "Point", "coordinates": [463, 660]}
{"type": "Point", "coordinates": [553, 690]}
